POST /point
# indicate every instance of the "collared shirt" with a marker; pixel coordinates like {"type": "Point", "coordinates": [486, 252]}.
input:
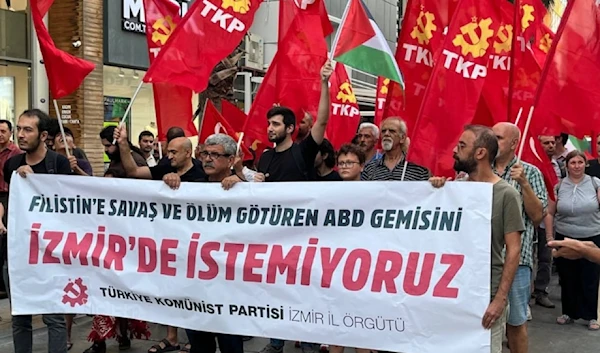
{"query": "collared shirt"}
{"type": "Point", "coordinates": [377, 170]}
{"type": "Point", "coordinates": [536, 180]}
{"type": "Point", "coordinates": [151, 161]}
{"type": "Point", "coordinates": [378, 155]}
{"type": "Point", "coordinates": [5, 154]}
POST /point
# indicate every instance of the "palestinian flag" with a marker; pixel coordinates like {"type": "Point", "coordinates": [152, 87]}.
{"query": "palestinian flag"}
{"type": "Point", "coordinates": [360, 44]}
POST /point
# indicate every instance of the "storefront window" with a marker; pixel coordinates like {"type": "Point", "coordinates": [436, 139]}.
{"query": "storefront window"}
{"type": "Point", "coordinates": [119, 86]}
{"type": "Point", "coordinates": [14, 90]}
{"type": "Point", "coordinates": [14, 29]}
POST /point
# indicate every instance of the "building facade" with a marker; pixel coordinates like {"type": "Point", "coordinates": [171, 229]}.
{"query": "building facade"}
{"type": "Point", "coordinates": [111, 34]}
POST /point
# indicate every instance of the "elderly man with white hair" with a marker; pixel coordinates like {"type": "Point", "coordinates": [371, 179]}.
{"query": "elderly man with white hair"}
{"type": "Point", "coordinates": [368, 135]}
{"type": "Point", "coordinates": [393, 164]}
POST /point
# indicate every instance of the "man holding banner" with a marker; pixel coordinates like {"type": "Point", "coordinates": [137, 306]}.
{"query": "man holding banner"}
{"type": "Point", "coordinates": [474, 155]}
{"type": "Point", "coordinates": [32, 132]}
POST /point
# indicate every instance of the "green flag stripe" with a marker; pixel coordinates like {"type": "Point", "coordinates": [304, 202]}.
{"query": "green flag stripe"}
{"type": "Point", "coordinates": [371, 60]}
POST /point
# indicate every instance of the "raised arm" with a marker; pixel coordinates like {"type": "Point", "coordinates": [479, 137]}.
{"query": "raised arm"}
{"type": "Point", "coordinates": [318, 129]}
{"type": "Point", "coordinates": [131, 168]}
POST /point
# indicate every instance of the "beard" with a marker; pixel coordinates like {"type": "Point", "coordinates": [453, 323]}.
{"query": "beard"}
{"type": "Point", "coordinates": [468, 165]}
{"type": "Point", "coordinates": [31, 147]}
{"type": "Point", "coordinates": [114, 157]}
{"type": "Point", "coordinates": [277, 139]}
{"type": "Point", "coordinates": [387, 145]}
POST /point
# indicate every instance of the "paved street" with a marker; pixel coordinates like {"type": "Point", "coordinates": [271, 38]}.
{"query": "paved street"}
{"type": "Point", "coordinates": [545, 335]}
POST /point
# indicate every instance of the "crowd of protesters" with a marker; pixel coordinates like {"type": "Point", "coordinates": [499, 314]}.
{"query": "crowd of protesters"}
{"type": "Point", "coordinates": [526, 224]}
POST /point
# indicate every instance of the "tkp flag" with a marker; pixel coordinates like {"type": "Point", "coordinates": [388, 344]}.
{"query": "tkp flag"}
{"type": "Point", "coordinates": [210, 31]}
{"type": "Point", "coordinates": [345, 116]}
{"type": "Point", "coordinates": [173, 104]}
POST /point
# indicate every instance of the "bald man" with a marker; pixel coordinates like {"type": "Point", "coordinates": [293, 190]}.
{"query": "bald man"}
{"type": "Point", "coordinates": [181, 164]}
{"type": "Point", "coordinates": [528, 180]}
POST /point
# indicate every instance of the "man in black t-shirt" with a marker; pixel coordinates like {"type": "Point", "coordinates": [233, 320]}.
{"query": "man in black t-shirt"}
{"type": "Point", "coordinates": [179, 153]}
{"type": "Point", "coordinates": [289, 161]}
{"type": "Point", "coordinates": [32, 132]}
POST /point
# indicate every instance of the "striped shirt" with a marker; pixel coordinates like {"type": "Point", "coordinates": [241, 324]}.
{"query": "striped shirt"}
{"type": "Point", "coordinates": [377, 170]}
{"type": "Point", "coordinates": [536, 181]}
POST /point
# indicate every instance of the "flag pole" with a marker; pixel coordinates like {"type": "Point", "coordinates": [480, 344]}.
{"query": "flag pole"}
{"type": "Point", "coordinates": [338, 32]}
{"type": "Point", "coordinates": [160, 154]}
{"type": "Point", "coordinates": [239, 144]}
{"type": "Point", "coordinates": [404, 169]}
{"type": "Point", "coordinates": [519, 116]}
{"type": "Point", "coordinates": [137, 90]}
{"type": "Point", "coordinates": [201, 122]}
{"type": "Point", "coordinates": [525, 132]}
{"type": "Point", "coordinates": [61, 127]}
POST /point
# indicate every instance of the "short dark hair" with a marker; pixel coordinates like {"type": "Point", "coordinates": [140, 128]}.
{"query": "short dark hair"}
{"type": "Point", "coordinates": [68, 131]}
{"type": "Point", "coordinates": [327, 148]}
{"type": "Point", "coordinates": [174, 132]}
{"type": "Point", "coordinates": [564, 138]}
{"type": "Point", "coordinates": [108, 133]}
{"type": "Point", "coordinates": [485, 138]}
{"type": "Point", "coordinates": [355, 150]}
{"type": "Point", "coordinates": [8, 123]}
{"type": "Point", "coordinates": [144, 134]}
{"type": "Point", "coordinates": [44, 121]}
{"type": "Point", "coordinates": [289, 118]}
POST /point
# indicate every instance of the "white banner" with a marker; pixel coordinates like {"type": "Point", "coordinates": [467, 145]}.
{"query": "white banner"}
{"type": "Point", "coordinates": [395, 266]}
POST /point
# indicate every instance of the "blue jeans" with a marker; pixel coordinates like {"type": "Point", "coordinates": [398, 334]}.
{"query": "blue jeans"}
{"type": "Point", "coordinates": [278, 344]}
{"type": "Point", "coordinates": [518, 297]}
{"type": "Point", "coordinates": [57, 333]}
{"type": "Point", "coordinates": [204, 342]}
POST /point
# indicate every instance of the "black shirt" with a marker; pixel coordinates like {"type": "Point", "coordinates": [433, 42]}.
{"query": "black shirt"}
{"type": "Point", "coordinates": [281, 166]}
{"type": "Point", "coordinates": [593, 169]}
{"type": "Point", "coordinates": [62, 165]}
{"type": "Point", "coordinates": [194, 174]}
{"type": "Point", "coordinates": [333, 176]}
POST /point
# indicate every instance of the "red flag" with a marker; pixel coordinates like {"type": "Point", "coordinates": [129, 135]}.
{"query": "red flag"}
{"type": "Point", "coordinates": [380, 99]}
{"type": "Point", "coordinates": [214, 123]}
{"type": "Point", "coordinates": [345, 116]}
{"type": "Point", "coordinates": [289, 9]}
{"type": "Point", "coordinates": [532, 14]}
{"type": "Point", "coordinates": [65, 72]}
{"type": "Point", "coordinates": [173, 104]}
{"type": "Point", "coordinates": [533, 153]}
{"type": "Point", "coordinates": [44, 6]}
{"type": "Point", "coordinates": [293, 78]}
{"type": "Point", "coordinates": [572, 71]}
{"type": "Point", "coordinates": [420, 40]}
{"type": "Point", "coordinates": [462, 68]}
{"type": "Point", "coordinates": [210, 31]}
{"type": "Point", "coordinates": [234, 115]}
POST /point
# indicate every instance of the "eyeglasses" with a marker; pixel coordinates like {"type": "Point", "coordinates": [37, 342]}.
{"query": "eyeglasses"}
{"type": "Point", "coordinates": [347, 164]}
{"type": "Point", "coordinates": [213, 155]}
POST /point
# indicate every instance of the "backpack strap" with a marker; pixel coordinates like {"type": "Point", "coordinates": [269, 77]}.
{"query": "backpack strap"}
{"type": "Point", "coordinates": [51, 161]}
{"type": "Point", "coordinates": [562, 168]}
{"type": "Point", "coordinates": [299, 159]}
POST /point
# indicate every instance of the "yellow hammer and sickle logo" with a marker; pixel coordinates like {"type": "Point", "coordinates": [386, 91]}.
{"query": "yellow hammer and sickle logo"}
{"type": "Point", "coordinates": [545, 43]}
{"type": "Point", "coordinates": [163, 27]}
{"type": "Point", "coordinates": [239, 6]}
{"type": "Point", "coordinates": [528, 16]}
{"type": "Point", "coordinates": [503, 39]}
{"type": "Point", "coordinates": [425, 27]}
{"type": "Point", "coordinates": [478, 44]}
{"type": "Point", "coordinates": [346, 94]}
{"type": "Point", "coordinates": [384, 87]}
